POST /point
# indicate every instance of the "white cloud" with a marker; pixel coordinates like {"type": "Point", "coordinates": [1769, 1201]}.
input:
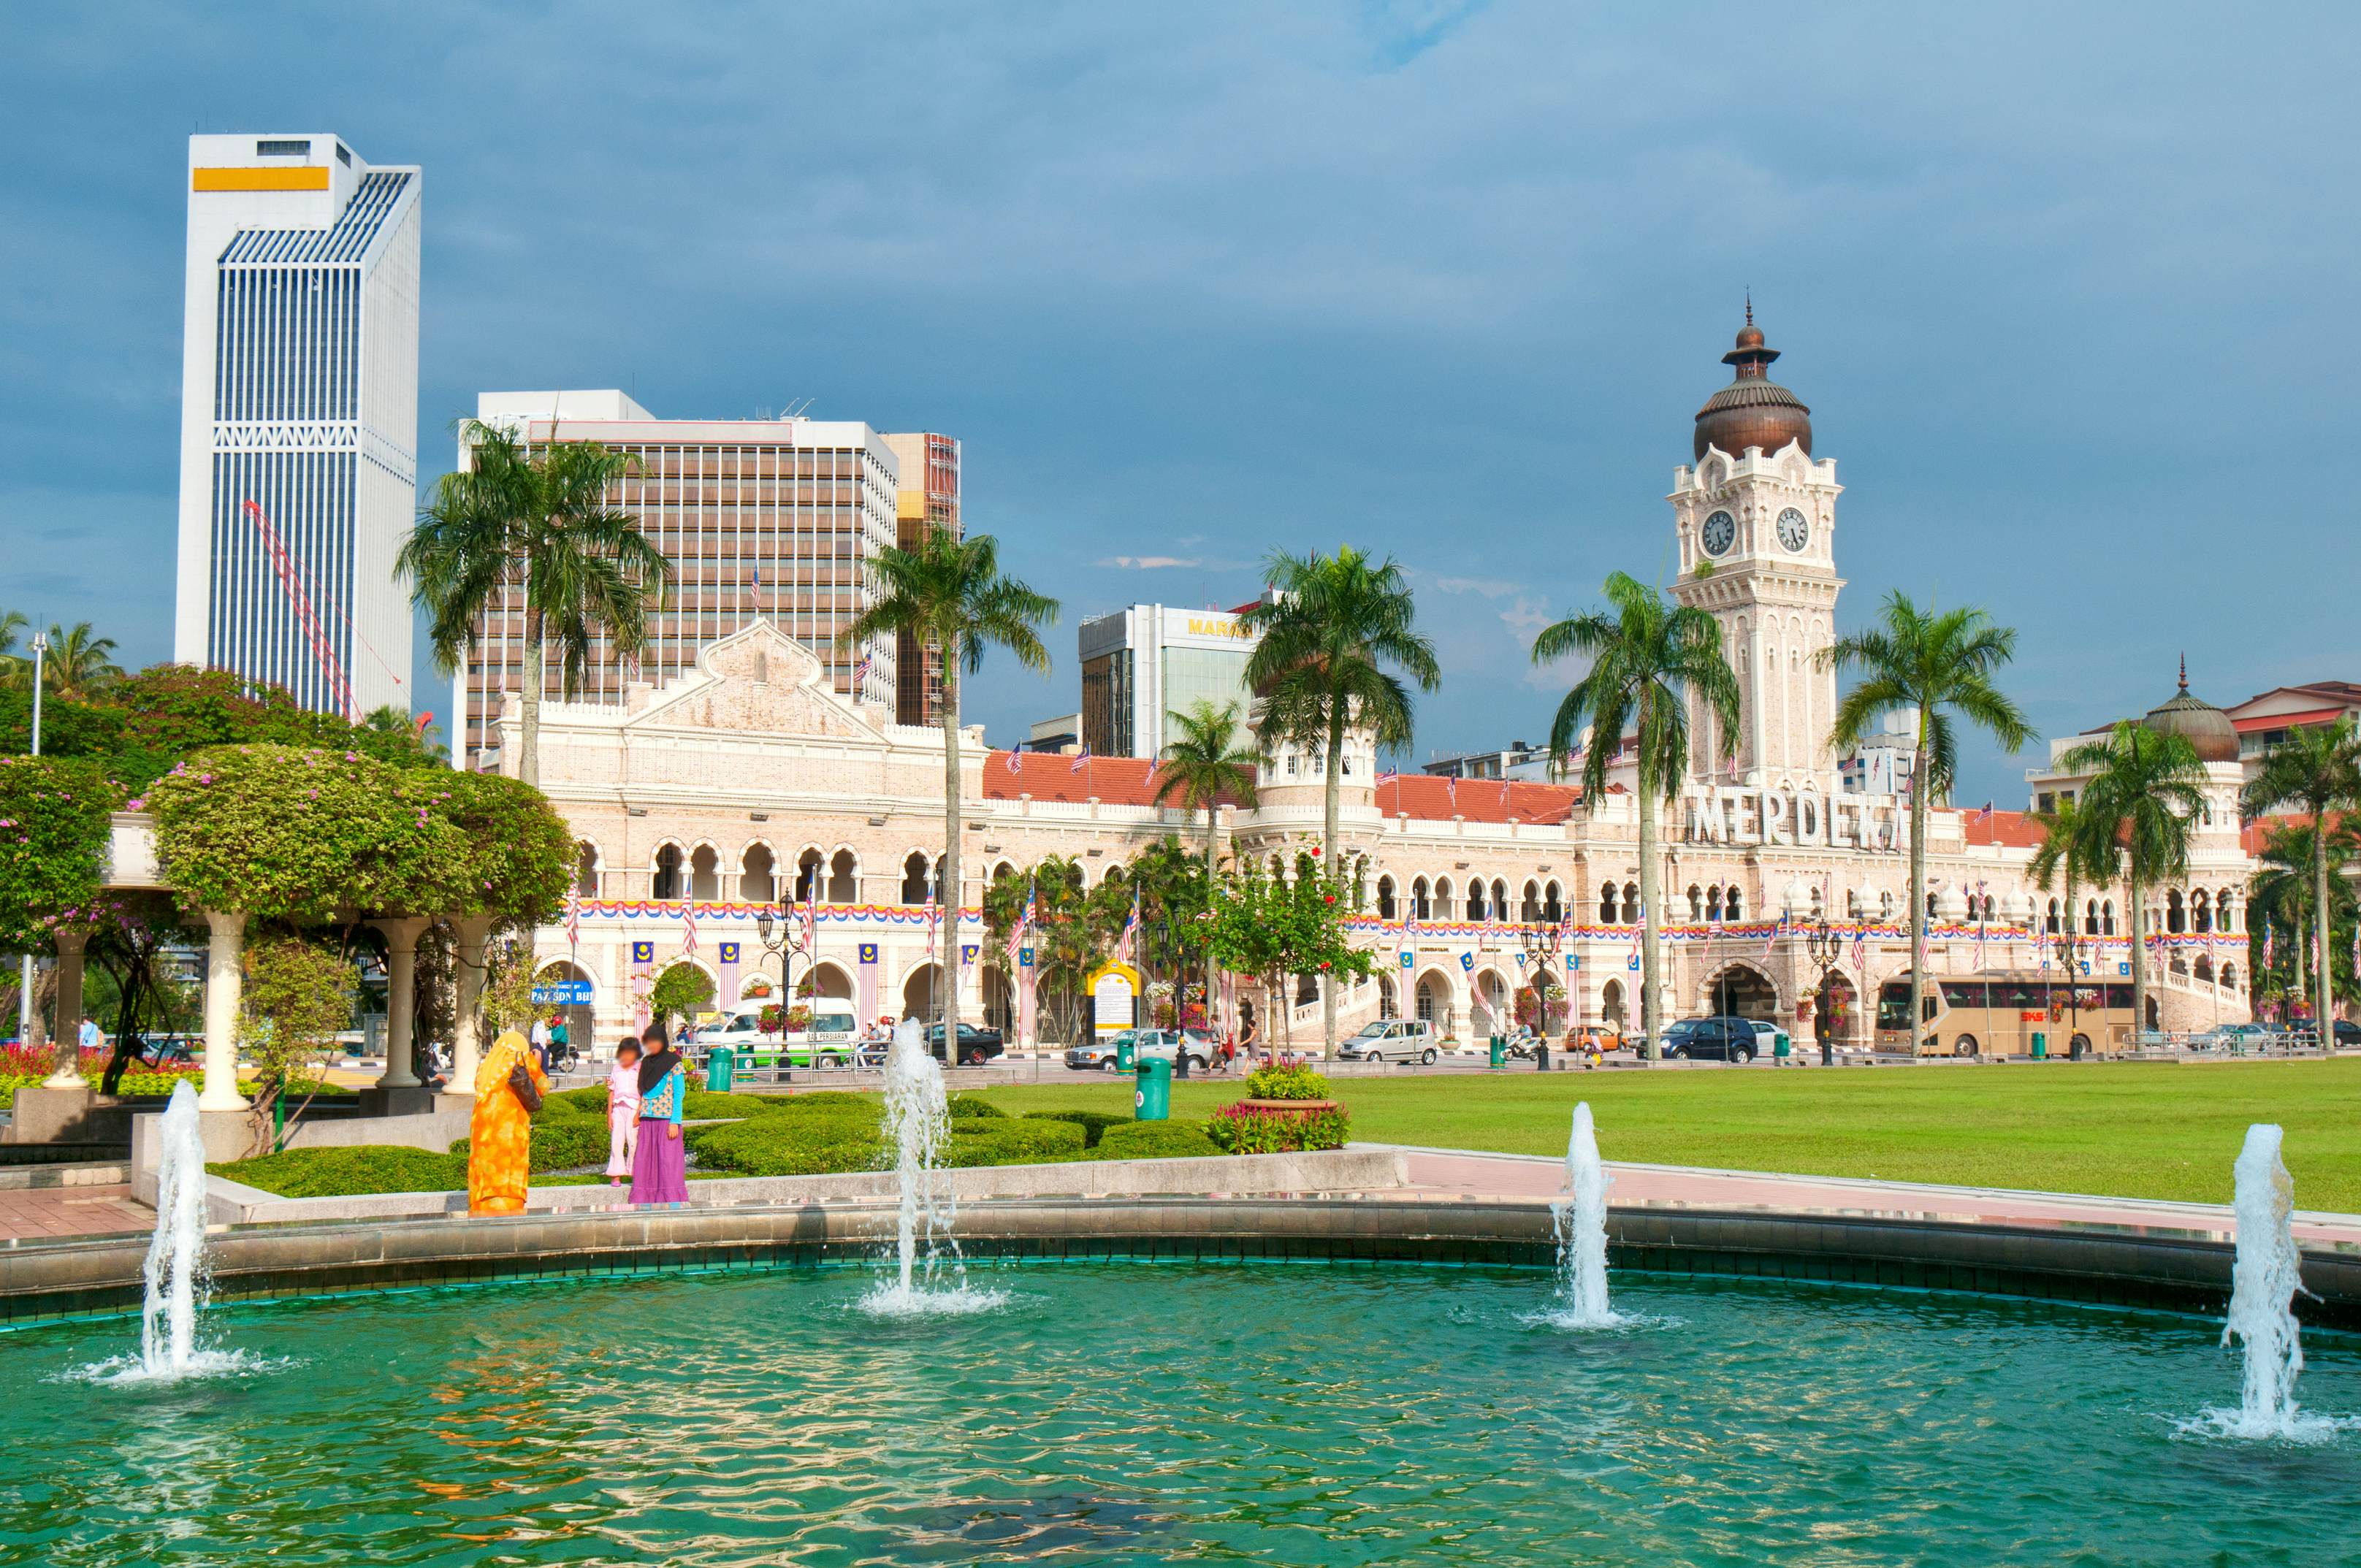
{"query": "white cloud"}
{"type": "Point", "coordinates": [1149, 562]}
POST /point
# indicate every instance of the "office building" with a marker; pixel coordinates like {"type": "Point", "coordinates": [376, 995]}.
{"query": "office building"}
{"type": "Point", "coordinates": [1519, 761]}
{"type": "Point", "coordinates": [928, 499]}
{"type": "Point", "coordinates": [1144, 664]}
{"type": "Point", "coordinates": [775, 518]}
{"type": "Point", "coordinates": [299, 418]}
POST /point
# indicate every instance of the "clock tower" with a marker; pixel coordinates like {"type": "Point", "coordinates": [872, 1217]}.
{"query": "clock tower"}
{"type": "Point", "coordinates": [1755, 520]}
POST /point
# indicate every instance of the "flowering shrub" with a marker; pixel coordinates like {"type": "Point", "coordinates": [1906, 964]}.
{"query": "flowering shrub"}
{"type": "Point", "coordinates": [1245, 1129]}
{"type": "Point", "coordinates": [1286, 1083]}
{"type": "Point", "coordinates": [52, 830]}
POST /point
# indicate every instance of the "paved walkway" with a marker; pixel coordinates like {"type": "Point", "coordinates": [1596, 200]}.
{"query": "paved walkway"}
{"type": "Point", "coordinates": [1688, 1187]}
{"type": "Point", "coordinates": [42, 1214]}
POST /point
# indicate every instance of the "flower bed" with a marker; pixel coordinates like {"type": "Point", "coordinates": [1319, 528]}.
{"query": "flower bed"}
{"type": "Point", "coordinates": [1287, 1110]}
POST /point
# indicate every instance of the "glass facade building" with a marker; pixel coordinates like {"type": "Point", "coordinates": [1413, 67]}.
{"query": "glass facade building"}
{"type": "Point", "coordinates": [1144, 664]}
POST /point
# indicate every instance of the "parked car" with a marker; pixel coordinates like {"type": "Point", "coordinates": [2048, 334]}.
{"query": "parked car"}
{"type": "Point", "coordinates": [826, 1041]}
{"type": "Point", "coordinates": [2234, 1038]}
{"type": "Point", "coordinates": [976, 1045]}
{"type": "Point", "coordinates": [1766, 1036]}
{"type": "Point", "coordinates": [1392, 1039]}
{"type": "Point", "coordinates": [1147, 1045]}
{"type": "Point", "coordinates": [1599, 1038]}
{"type": "Point", "coordinates": [1711, 1039]}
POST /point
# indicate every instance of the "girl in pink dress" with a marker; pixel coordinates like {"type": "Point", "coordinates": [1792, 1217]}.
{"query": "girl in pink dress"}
{"type": "Point", "coordinates": [622, 1113]}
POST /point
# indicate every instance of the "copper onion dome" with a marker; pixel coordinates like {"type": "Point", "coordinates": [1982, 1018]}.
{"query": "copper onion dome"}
{"type": "Point", "coordinates": [1752, 411]}
{"type": "Point", "coordinates": [2206, 726]}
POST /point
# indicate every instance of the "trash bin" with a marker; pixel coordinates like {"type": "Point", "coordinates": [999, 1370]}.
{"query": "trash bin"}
{"type": "Point", "coordinates": [1780, 1046]}
{"type": "Point", "coordinates": [1151, 1092]}
{"type": "Point", "coordinates": [1126, 1056]}
{"type": "Point", "coordinates": [1499, 1052]}
{"type": "Point", "coordinates": [720, 1063]}
{"type": "Point", "coordinates": [2040, 1044]}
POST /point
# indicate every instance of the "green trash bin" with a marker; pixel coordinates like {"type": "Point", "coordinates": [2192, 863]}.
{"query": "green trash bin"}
{"type": "Point", "coordinates": [1126, 1055]}
{"type": "Point", "coordinates": [1499, 1052]}
{"type": "Point", "coordinates": [720, 1063]}
{"type": "Point", "coordinates": [1781, 1045]}
{"type": "Point", "coordinates": [2040, 1044]}
{"type": "Point", "coordinates": [1151, 1092]}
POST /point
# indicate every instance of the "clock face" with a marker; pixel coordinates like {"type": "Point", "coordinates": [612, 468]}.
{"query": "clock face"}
{"type": "Point", "coordinates": [1720, 530]}
{"type": "Point", "coordinates": [1795, 529]}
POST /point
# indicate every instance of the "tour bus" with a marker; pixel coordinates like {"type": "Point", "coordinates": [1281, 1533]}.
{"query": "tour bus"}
{"type": "Point", "coordinates": [1999, 1012]}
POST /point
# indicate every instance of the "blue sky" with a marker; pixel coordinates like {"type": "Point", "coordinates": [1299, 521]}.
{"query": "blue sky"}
{"type": "Point", "coordinates": [2071, 291]}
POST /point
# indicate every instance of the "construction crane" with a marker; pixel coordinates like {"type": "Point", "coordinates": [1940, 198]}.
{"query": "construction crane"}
{"type": "Point", "coordinates": [292, 587]}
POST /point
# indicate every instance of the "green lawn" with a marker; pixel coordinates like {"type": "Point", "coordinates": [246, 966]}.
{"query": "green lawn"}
{"type": "Point", "coordinates": [2122, 1129]}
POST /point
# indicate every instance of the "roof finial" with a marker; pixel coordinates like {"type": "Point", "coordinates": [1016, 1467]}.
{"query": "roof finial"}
{"type": "Point", "coordinates": [2184, 672]}
{"type": "Point", "coordinates": [1749, 304]}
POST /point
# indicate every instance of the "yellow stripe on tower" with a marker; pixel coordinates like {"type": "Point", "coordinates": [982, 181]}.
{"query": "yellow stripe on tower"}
{"type": "Point", "coordinates": [308, 177]}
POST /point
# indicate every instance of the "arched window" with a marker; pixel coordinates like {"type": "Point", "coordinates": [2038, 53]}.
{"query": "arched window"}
{"type": "Point", "coordinates": [1885, 906]}
{"type": "Point", "coordinates": [2176, 916]}
{"type": "Point", "coordinates": [585, 869]}
{"type": "Point", "coordinates": [1852, 903]}
{"type": "Point", "coordinates": [1532, 909]}
{"type": "Point", "coordinates": [2107, 918]}
{"type": "Point", "coordinates": [1630, 904]}
{"type": "Point", "coordinates": [1713, 902]}
{"type": "Point", "coordinates": [2230, 974]}
{"type": "Point", "coordinates": [1931, 907]}
{"type": "Point", "coordinates": [914, 879]}
{"type": "Point", "coordinates": [1551, 910]}
{"type": "Point", "coordinates": [1991, 909]}
{"type": "Point", "coordinates": [2201, 911]}
{"type": "Point", "coordinates": [1820, 902]}
{"type": "Point", "coordinates": [1422, 903]}
{"type": "Point", "coordinates": [2205, 968]}
{"type": "Point", "coordinates": [755, 879]}
{"type": "Point", "coordinates": [1384, 898]}
{"type": "Point", "coordinates": [1731, 907]}
{"type": "Point", "coordinates": [1476, 908]}
{"type": "Point", "coordinates": [2051, 925]}
{"type": "Point", "coordinates": [844, 879]}
{"type": "Point", "coordinates": [705, 874]}
{"type": "Point", "coordinates": [2089, 917]}
{"type": "Point", "coordinates": [1499, 899]}
{"type": "Point", "coordinates": [1608, 904]}
{"type": "Point", "coordinates": [667, 882]}
{"type": "Point", "coordinates": [807, 876]}
{"type": "Point", "coordinates": [1442, 898]}
{"type": "Point", "coordinates": [2225, 913]}
{"type": "Point", "coordinates": [1697, 903]}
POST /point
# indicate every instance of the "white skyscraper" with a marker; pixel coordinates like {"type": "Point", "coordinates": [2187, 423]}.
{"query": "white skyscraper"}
{"type": "Point", "coordinates": [299, 418]}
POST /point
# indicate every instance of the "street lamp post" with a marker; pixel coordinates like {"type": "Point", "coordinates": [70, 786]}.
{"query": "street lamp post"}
{"type": "Point", "coordinates": [41, 646]}
{"type": "Point", "coordinates": [791, 942]}
{"type": "Point", "coordinates": [1823, 943]}
{"type": "Point", "coordinates": [1540, 944]}
{"type": "Point", "coordinates": [2065, 947]}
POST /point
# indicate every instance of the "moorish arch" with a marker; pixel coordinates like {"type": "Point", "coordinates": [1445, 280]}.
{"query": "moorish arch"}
{"type": "Point", "coordinates": [1739, 990]}
{"type": "Point", "coordinates": [1435, 1000]}
{"type": "Point", "coordinates": [1492, 1007]}
{"type": "Point", "coordinates": [829, 977]}
{"type": "Point", "coordinates": [917, 991]}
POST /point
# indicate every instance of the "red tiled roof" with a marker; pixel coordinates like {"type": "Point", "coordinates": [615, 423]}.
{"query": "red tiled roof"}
{"type": "Point", "coordinates": [2287, 720]}
{"type": "Point", "coordinates": [2255, 836]}
{"type": "Point", "coordinates": [1432, 799]}
{"type": "Point", "coordinates": [2016, 829]}
{"type": "Point", "coordinates": [1049, 775]}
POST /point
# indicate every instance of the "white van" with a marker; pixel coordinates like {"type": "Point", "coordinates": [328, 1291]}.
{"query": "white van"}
{"type": "Point", "coordinates": [827, 1041]}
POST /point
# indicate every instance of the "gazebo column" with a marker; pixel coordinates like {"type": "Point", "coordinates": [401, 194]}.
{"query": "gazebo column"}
{"type": "Point", "coordinates": [400, 1000]}
{"type": "Point", "coordinates": [225, 989]}
{"type": "Point", "coordinates": [466, 1047]}
{"type": "Point", "coordinates": [67, 1075]}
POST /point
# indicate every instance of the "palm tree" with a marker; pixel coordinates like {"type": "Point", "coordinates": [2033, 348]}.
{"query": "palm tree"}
{"type": "Point", "coordinates": [2137, 817]}
{"type": "Point", "coordinates": [1931, 663]}
{"type": "Point", "coordinates": [2317, 768]}
{"type": "Point", "coordinates": [1648, 656]}
{"type": "Point", "coordinates": [1325, 638]}
{"type": "Point", "coordinates": [2281, 890]}
{"type": "Point", "coordinates": [541, 519]}
{"type": "Point", "coordinates": [950, 592]}
{"type": "Point", "coordinates": [79, 665]}
{"type": "Point", "coordinates": [12, 621]}
{"type": "Point", "coordinates": [1200, 767]}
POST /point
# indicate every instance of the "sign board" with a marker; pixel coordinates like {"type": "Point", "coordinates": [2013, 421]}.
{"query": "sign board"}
{"type": "Point", "coordinates": [1114, 999]}
{"type": "Point", "coordinates": [562, 993]}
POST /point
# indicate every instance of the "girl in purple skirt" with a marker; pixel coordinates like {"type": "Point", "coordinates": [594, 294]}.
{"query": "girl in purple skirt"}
{"type": "Point", "coordinates": [660, 1165]}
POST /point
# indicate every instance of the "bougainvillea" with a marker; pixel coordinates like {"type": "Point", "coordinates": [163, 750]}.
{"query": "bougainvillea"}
{"type": "Point", "coordinates": [520, 852]}
{"type": "Point", "coordinates": [53, 828]}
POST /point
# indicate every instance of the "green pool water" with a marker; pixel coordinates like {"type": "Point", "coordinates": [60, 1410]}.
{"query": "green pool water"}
{"type": "Point", "coordinates": [1113, 1414]}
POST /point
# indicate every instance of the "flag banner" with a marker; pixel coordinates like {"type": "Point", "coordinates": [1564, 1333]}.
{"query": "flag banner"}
{"type": "Point", "coordinates": [689, 928]}
{"type": "Point", "coordinates": [1027, 974]}
{"type": "Point", "coordinates": [811, 926]}
{"type": "Point", "coordinates": [1082, 760]}
{"type": "Point", "coordinates": [1468, 963]}
{"type": "Point", "coordinates": [931, 927]}
{"type": "Point", "coordinates": [729, 953]}
{"type": "Point", "coordinates": [1012, 762]}
{"type": "Point", "coordinates": [573, 918]}
{"type": "Point", "coordinates": [643, 959]}
{"type": "Point", "coordinates": [868, 984]}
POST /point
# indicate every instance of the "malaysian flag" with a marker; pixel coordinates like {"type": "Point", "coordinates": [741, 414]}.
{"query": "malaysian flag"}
{"type": "Point", "coordinates": [1860, 949]}
{"type": "Point", "coordinates": [930, 925]}
{"type": "Point", "coordinates": [1020, 928]}
{"type": "Point", "coordinates": [2270, 942]}
{"type": "Point", "coordinates": [688, 926]}
{"type": "Point", "coordinates": [811, 922]}
{"type": "Point", "coordinates": [1012, 762]}
{"type": "Point", "coordinates": [1130, 932]}
{"type": "Point", "coordinates": [1451, 790]}
{"type": "Point", "coordinates": [860, 675]}
{"type": "Point", "coordinates": [573, 918]}
{"type": "Point", "coordinates": [1771, 939]}
{"type": "Point", "coordinates": [1082, 759]}
{"type": "Point", "coordinates": [1981, 913]}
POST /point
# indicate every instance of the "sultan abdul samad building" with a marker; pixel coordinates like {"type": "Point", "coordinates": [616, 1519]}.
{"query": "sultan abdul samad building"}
{"type": "Point", "coordinates": [748, 775]}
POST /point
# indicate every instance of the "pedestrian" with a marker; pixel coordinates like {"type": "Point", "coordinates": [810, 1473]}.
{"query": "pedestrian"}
{"type": "Point", "coordinates": [622, 1111]}
{"type": "Point", "coordinates": [659, 1165]}
{"type": "Point", "coordinates": [560, 1039]}
{"type": "Point", "coordinates": [1246, 1042]}
{"type": "Point", "coordinates": [509, 1087]}
{"type": "Point", "coordinates": [541, 1043]}
{"type": "Point", "coordinates": [90, 1039]}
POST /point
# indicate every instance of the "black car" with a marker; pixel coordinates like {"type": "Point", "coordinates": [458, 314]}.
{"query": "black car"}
{"type": "Point", "coordinates": [976, 1045]}
{"type": "Point", "coordinates": [1711, 1039]}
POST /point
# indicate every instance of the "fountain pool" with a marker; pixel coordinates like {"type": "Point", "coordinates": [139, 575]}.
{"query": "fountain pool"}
{"type": "Point", "coordinates": [1139, 1413]}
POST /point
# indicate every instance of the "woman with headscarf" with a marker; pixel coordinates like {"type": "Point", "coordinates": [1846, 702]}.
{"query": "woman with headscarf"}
{"type": "Point", "coordinates": [659, 1165]}
{"type": "Point", "coordinates": [500, 1128]}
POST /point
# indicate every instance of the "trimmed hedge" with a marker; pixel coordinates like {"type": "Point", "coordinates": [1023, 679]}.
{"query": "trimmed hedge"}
{"type": "Point", "coordinates": [789, 1145]}
{"type": "Point", "coordinates": [339, 1172]}
{"type": "Point", "coordinates": [1155, 1140]}
{"type": "Point", "coordinates": [1016, 1140]}
{"type": "Point", "coordinates": [562, 1142]}
{"type": "Point", "coordinates": [816, 1100]}
{"type": "Point", "coordinates": [1093, 1123]}
{"type": "Point", "coordinates": [966, 1106]}
{"type": "Point", "coordinates": [704, 1105]}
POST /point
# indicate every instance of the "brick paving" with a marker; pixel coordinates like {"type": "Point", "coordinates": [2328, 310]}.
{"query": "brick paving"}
{"type": "Point", "coordinates": [42, 1214]}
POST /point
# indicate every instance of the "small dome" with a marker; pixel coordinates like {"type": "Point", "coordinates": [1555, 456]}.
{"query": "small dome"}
{"type": "Point", "coordinates": [1752, 411]}
{"type": "Point", "coordinates": [2207, 727]}
{"type": "Point", "coordinates": [1951, 905]}
{"type": "Point", "coordinates": [1798, 895]}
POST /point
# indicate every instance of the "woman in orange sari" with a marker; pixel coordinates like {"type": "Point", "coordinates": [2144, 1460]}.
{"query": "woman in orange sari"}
{"type": "Point", "coordinates": [499, 1130]}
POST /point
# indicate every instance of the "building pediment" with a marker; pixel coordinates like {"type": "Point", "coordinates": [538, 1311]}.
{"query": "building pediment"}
{"type": "Point", "coordinates": [758, 680]}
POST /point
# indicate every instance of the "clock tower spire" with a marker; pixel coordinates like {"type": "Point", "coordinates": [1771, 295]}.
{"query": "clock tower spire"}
{"type": "Point", "coordinates": [1754, 519]}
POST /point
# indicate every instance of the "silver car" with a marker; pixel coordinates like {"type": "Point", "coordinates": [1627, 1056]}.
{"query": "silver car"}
{"type": "Point", "coordinates": [1392, 1039]}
